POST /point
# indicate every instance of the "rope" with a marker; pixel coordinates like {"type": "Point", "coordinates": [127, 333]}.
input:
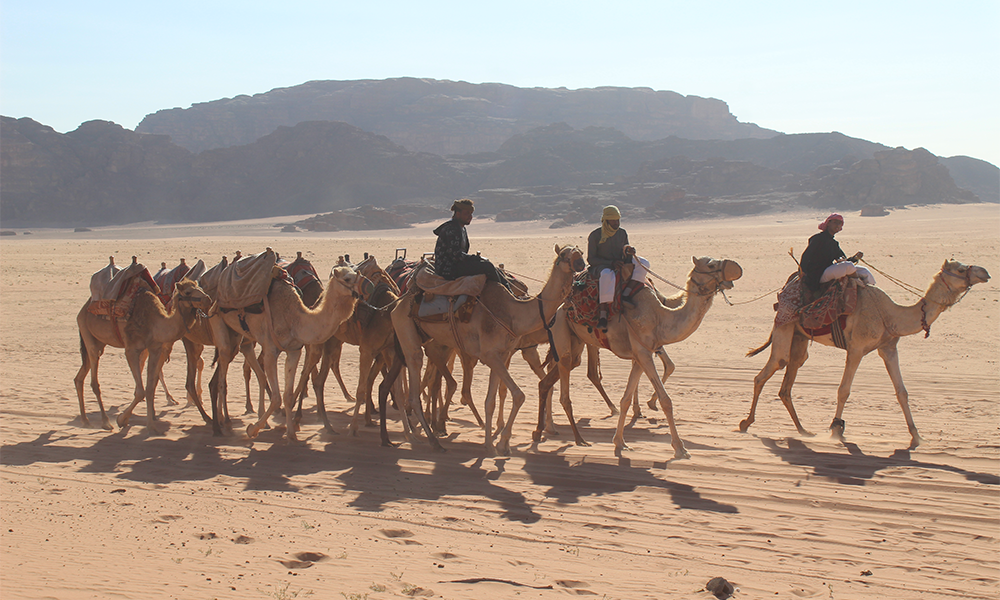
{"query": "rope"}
{"type": "Point", "coordinates": [520, 276]}
{"type": "Point", "coordinates": [909, 288]}
{"type": "Point", "coordinates": [670, 283]}
{"type": "Point", "coordinates": [776, 290]}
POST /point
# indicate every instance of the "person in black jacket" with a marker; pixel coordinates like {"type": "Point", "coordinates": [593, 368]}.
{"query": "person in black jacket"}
{"type": "Point", "coordinates": [823, 260]}
{"type": "Point", "coordinates": [451, 252]}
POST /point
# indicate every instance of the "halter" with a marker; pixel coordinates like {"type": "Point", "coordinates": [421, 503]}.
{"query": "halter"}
{"type": "Point", "coordinates": [923, 301]}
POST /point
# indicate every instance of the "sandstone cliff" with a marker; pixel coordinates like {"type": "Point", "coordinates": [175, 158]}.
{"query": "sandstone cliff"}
{"type": "Point", "coordinates": [447, 117]}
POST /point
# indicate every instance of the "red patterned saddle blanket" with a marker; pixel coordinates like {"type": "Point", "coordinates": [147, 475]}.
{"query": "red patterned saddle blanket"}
{"type": "Point", "coordinates": [401, 271]}
{"type": "Point", "coordinates": [582, 306]}
{"type": "Point", "coordinates": [839, 299]}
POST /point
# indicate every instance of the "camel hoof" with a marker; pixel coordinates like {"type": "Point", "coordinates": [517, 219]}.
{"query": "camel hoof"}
{"type": "Point", "coordinates": [805, 433]}
{"type": "Point", "coordinates": [536, 436]}
{"type": "Point", "coordinates": [614, 412]}
{"type": "Point", "coordinates": [252, 431]}
{"type": "Point", "coordinates": [388, 444]}
{"type": "Point", "coordinates": [652, 404]}
{"type": "Point", "coordinates": [583, 443]}
{"type": "Point", "coordinates": [106, 424]}
{"type": "Point", "coordinates": [681, 453]}
{"type": "Point", "coordinates": [837, 429]}
{"type": "Point", "coordinates": [745, 424]}
{"type": "Point", "coordinates": [122, 420]}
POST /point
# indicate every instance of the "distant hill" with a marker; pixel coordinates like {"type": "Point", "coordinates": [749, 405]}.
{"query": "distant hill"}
{"type": "Point", "coordinates": [520, 153]}
{"type": "Point", "coordinates": [448, 117]}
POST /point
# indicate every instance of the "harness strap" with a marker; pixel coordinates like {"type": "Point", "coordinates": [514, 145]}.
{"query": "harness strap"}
{"type": "Point", "coordinates": [548, 329]}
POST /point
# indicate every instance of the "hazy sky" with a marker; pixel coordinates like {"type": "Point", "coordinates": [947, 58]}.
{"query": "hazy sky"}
{"type": "Point", "coordinates": [903, 73]}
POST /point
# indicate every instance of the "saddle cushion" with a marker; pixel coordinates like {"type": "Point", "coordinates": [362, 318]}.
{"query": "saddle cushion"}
{"type": "Point", "coordinates": [583, 304]}
{"type": "Point", "coordinates": [433, 308]}
{"type": "Point", "coordinates": [110, 282]}
{"type": "Point", "coordinates": [432, 283]}
{"type": "Point", "coordinates": [840, 297]}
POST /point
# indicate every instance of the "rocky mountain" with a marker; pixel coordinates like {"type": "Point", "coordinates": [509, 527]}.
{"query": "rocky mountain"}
{"type": "Point", "coordinates": [448, 117]}
{"type": "Point", "coordinates": [655, 154]}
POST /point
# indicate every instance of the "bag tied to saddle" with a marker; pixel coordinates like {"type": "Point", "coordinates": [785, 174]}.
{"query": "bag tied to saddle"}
{"type": "Point", "coordinates": [246, 281]}
{"type": "Point", "coordinates": [113, 289]}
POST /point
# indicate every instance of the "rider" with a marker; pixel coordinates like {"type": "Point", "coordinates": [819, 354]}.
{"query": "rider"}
{"type": "Point", "coordinates": [607, 251]}
{"type": "Point", "coordinates": [451, 252]}
{"type": "Point", "coordinates": [824, 261]}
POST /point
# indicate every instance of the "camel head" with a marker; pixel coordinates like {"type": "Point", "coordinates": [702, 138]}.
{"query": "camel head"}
{"type": "Point", "coordinates": [346, 278]}
{"type": "Point", "coordinates": [188, 292]}
{"type": "Point", "coordinates": [720, 273]}
{"type": "Point", "coordinates": [570, 256]}
{"type": "Point", "coordinates": [971, 274]}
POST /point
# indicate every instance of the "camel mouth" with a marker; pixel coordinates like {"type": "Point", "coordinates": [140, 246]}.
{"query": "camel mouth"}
{"type": "Point", "coordinates": [731, 271]}
{"type": "Point", "coordinates": [978, 275]}
{"type": "Point", "coordinates": [579, 265]}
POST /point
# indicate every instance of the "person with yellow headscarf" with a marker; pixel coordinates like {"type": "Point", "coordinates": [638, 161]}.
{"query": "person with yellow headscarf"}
{"type": "Point", "coordinates": [607, 250]}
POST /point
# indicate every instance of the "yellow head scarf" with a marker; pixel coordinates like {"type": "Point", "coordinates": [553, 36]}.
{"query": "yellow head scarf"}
{"type": "Point", "coordinates": [610, 212]}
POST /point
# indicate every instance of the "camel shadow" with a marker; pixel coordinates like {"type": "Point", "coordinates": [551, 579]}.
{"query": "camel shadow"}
{"type": "Point", "coordinates": [856, 467]}
{"type": "Point", "coordinates": [568, 483]}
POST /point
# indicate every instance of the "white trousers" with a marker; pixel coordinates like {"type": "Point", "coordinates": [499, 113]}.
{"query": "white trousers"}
{"type": "Point", "coordinates": [606, 285]}
{"type": "Point", "coordinates": [845, 268]}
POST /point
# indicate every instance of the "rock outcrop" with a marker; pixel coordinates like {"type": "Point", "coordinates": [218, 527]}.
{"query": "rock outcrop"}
{"type": "Point", "coordinates": [447, 117]}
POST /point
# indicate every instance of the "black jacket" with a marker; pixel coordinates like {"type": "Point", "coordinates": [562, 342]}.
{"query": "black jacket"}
{"type": "Point", "coordinates": [823, 251]}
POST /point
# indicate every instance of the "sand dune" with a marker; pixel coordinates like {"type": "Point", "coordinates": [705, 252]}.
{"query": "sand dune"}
{"type": "Point", "coordinates": [94, 514]}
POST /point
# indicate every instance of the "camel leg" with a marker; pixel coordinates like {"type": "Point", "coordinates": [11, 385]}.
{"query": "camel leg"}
{"type": "Point", "coordinates": [594, 375]}
{"type": "Point", "coordinates": [337, 349]}
{"type": "Point", "coordinates": [668, 369]}
{"type": "Point", "coordinates": [392, 373]}
{"type": "Point", "coordinates": [90, 355]}
{"type": "Point", "coordinates": [646, 361]}
{"type": "Point", "coordinates": [270, 362]}
{"type": "Point", "coordinates": [890, 356]}
{"type": "Point", "coordinates": [134, 357]}
{"type": "Point", "coordinates": [314, 352]}
{"type": "Point", "coordinates": [291, 368]}
{"type": "Point", "coordinates": [412, 354]}
{"type": "Point", "coordinates": [844, 391]}
{"type": "Point", "coordinates": [530, 356]}
{"type": "Point", "coordinates": [366, 362]}
{"type": "Point", "coordinates": [517, 400]}
{"type": "Point", "coordinates": [166, 392]}
{"type": "Point", "coordinates": [798, 354]}
{"type": "Point", "coordinates": [319, 383]}
{"type": "Point", "coordinates": [544, 397]}
{"type": "Point", "coordinates": [491, 397]}
{"type": "Point", "coordinates": [250, 358]}
{"type": "Point", "coordinates": [158, 355]}
{"type": "Point", "coordinates": [781, 343]}
{"type": "Point", "coordinates": [217, 388]}
{"type": "Point", "coordinates": [246, 384]}
{"type": "Point", "coordinates": [571, 362]}
{"type": "Point", "coordinates": [192, 351]}
{"type": "Point", "coordinates": [627, 398]}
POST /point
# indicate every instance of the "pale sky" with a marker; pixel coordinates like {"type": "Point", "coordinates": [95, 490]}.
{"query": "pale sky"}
{"type": "Point", "coordinates": [910, 73]}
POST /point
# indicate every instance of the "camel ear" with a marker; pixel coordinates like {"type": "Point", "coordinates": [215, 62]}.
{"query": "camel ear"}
{"type": "Point", "coordinates": [694, 259]}
{"type": "Point", "coordinates": [558, 249]}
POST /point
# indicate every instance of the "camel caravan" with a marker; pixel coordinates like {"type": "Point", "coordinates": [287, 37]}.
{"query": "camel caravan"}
{"type": "Point", "coordinates": [455, 307]}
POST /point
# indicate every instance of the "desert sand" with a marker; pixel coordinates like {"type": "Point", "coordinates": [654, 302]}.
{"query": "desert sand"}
{"type": "Point", "coordinates": [88, 513]}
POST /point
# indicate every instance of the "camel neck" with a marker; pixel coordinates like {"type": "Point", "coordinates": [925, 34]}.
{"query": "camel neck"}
{"type": "Point", "coordinates": [684, 320]}
{"type": "Point", "coordinates": [908, 320]}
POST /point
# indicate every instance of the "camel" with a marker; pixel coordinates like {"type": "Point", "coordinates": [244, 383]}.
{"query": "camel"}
{"type": "Point", "coordinates": [310, 288]}
{"type": "Point", "coordinates": [636, 335]}
{"type": "Point", "coordinates": [369, 328]}
{"type": "Point", "coordinates": [876, 324]}
{"type": "Point", "coordinates": [286, 325]}
{"type": "Point", "coordinates": [498, 321]}
{"type": "Point", "coordinates": [150, 329]}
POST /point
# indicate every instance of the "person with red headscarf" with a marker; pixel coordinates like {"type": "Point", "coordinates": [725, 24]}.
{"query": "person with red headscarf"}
{"type": "Point", "coordinates": [824, 261]}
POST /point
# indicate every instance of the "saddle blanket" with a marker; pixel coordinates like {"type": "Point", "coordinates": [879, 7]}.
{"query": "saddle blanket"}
{"type": "Point", "coordinates": [247, 280]}
{"type": "Point", "coordinates": [112, 280]}
{"type": "Point", "coordinates": [400, 271]}
{"type": "Point", "coordinates": [582, 306]}
{"type": "Point", "coordinates": [301, 271]}
{"type": "Point", "coordinates": [209, 280]}
{"type": "Point", "coordinates": [167, 278]}
{"type": "Point", "coordinates": [432, 308]}
{"type": "Point", "coordinates": [122, 307]}
{"type": "Point", "coordinates": [839, 298]}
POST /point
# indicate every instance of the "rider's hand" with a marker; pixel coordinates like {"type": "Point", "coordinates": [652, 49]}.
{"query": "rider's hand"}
{"type": "Point", "coordinates": [857, 256]}
{"type": "Point", "coordinates": [629, 251]}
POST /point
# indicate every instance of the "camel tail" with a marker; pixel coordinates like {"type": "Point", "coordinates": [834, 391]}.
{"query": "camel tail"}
{"type": "Point", "coordinates": [757, 351]}
{"type": "Point", "coordinates": [215, 357]}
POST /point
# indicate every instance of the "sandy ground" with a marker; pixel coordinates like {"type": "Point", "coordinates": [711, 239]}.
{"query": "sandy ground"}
{"type": "Point", "coordinates": [93, 514]}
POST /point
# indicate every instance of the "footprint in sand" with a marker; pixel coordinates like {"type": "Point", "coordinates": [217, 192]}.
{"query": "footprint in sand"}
{"type": "Point", "coordinates": [303, 560]}
{"type": "Point", "coordinates": [400, 536]}
{"type": "Point", "coordinates": [242, 539]}
{"type": "Point", "coordinates": [577, 588]}
{"type": "Point", "coordinates": [444, 555]}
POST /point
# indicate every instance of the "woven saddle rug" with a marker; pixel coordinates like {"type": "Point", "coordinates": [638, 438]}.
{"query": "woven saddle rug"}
{"type": "Point", "coordinates": [583, 306]}
{"type": "Point", "coordinates": [167, 279]}
{"type": "Point", "coordinates": [401, 271]}
{"type": "Point", "coordinates": [839, 299]}
{"type": "Point", "coordinates": [301, 271]}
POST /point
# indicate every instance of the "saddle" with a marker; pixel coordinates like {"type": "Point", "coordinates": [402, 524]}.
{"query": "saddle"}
{"type": "Point", "coordinates": [582, 306]}
{"type": "Point", "coordinates": [436, 297]}
{"type": "Point", "coordinates": [400, 271]}
{"type": "Point", "coordinates": [246, 281]}
{"type": "Point", "coordinates": [827, 314]}
{"type": "Point", "coordinates": [167, 279]}
{"type": "Point", "coordinates": [113, 291]}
